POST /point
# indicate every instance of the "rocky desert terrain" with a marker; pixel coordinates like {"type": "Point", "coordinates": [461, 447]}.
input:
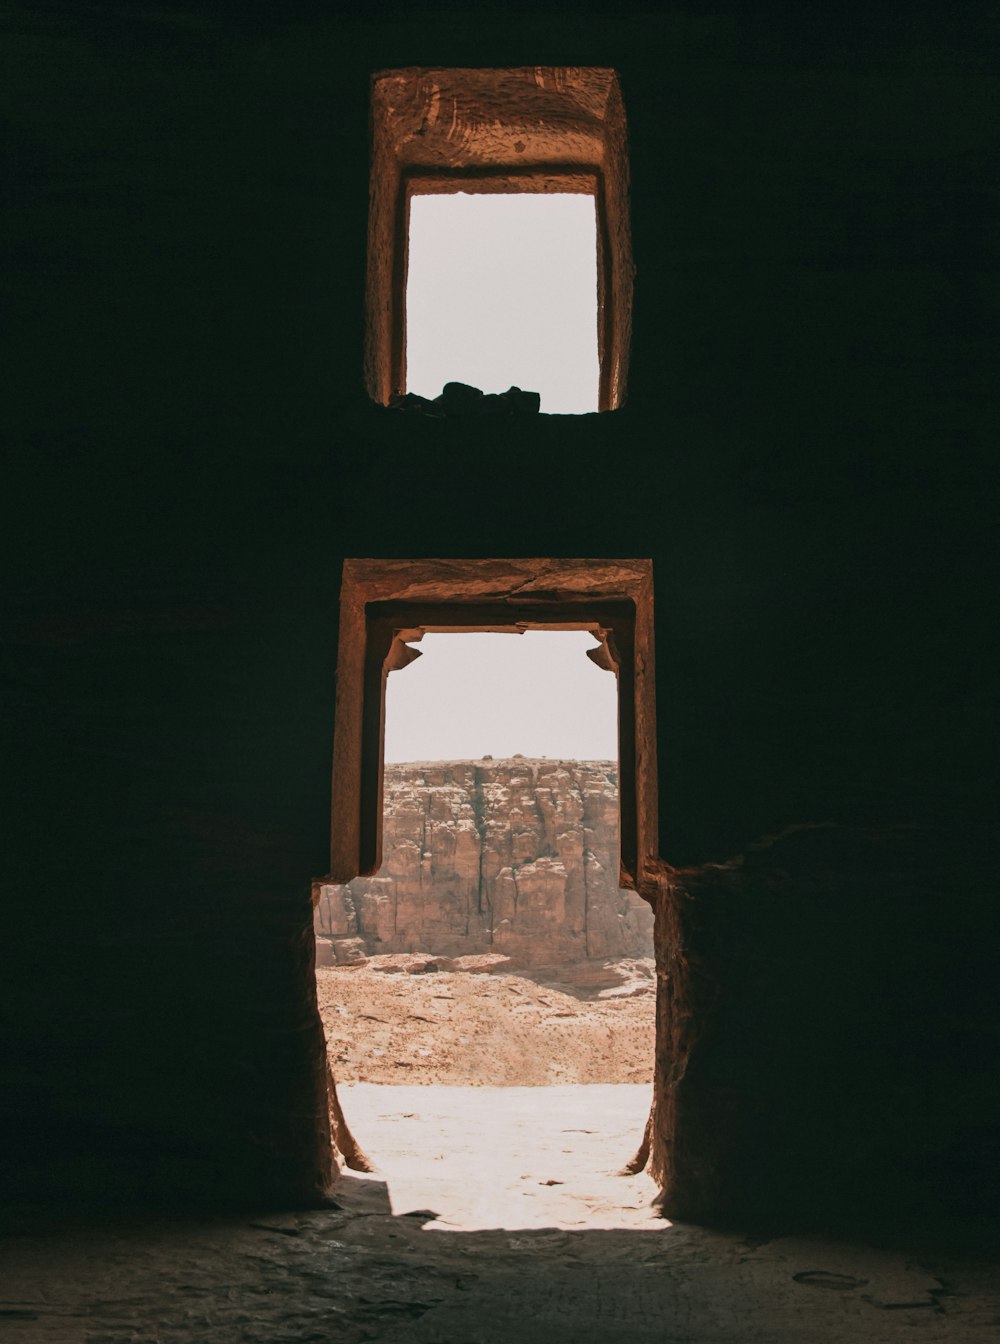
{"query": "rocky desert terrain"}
{"type": "Point", "coordinates": [405, 1019]}
{"type": "Point", "coordinates": [494, 947]}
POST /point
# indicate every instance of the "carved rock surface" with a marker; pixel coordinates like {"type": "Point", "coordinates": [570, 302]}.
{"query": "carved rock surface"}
{"type": "Point", "coordinates": [514, 856]}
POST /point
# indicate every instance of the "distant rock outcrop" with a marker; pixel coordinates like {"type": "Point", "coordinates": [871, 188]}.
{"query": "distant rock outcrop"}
{"type": "Point", "coordinates": [515, 856]}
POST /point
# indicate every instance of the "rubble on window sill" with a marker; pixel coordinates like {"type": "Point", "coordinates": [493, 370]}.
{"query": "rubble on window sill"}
{"type": "Point", "coordinates": [458, 399]}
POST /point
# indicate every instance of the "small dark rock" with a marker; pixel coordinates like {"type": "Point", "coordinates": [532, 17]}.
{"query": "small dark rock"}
{"type": "Point", "coordinates": [459, 399]}
{"type": "Point", "coordinates": [415, 405]}
{"type": "Point", "coordinates": [523, 403]}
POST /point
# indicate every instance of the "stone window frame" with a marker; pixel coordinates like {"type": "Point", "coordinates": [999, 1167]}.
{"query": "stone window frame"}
{"type": "Point", "coordinates": [388, 604]}
{"type": "Point", "coordinates": [524, 129]}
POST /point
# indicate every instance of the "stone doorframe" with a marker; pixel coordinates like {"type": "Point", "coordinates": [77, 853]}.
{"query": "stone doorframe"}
{"type": "Point", "coordinates": [385, 604]}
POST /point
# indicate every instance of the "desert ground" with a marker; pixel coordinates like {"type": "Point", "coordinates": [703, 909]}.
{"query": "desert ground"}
{"type": "Point", "coordinates": [397, 1020]}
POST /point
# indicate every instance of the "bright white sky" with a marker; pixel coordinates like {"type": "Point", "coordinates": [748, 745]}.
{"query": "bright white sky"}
{"type": "Point", "coordinates": [471, 695]}
{"type": "Point", "coordinates": [502, 291]}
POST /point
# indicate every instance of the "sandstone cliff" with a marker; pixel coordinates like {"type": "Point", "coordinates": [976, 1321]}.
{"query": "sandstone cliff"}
{"type": "Point", "coordinates": [515, 856]}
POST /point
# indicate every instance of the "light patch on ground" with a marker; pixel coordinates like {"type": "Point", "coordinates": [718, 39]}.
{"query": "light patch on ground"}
{"type": "Point", "coordinates": [508, 1157]}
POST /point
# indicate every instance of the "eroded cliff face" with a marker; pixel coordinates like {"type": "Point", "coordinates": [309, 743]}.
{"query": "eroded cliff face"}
{"type": "Point", "coordinates": [515, 856]}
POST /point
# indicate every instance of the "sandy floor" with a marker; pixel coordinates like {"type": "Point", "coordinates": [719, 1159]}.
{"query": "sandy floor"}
{"type": "Point", "coordinates": [581, 1263]}
{"type": "Point", "coordinates": [510, 1157]}
{"type": "Point", "coordinates": [480, 1030]}
{"type": "Point", "coordinates": [496, 1215]}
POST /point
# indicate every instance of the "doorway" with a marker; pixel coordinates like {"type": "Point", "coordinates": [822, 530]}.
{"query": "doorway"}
{"type": "Point", "coordinates": [496, 1003]}
{"type": "Point", "coordinates": [491, 976]}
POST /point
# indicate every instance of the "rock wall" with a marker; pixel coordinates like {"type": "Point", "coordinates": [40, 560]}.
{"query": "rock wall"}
{"type": "Point", "coordinates": [822, 944]}
{"type": "Point", "coordinates": [516, 856]}
{"type": "Point", "coordinates": [802, 456]}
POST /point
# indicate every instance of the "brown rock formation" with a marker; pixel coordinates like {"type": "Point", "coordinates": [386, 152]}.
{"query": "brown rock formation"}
{"type": "Point", "coordinates": [516, 856]}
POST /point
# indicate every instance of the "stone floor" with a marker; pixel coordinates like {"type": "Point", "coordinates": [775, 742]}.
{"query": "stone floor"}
{"type": "Point", "coordinates": [571, 1262]}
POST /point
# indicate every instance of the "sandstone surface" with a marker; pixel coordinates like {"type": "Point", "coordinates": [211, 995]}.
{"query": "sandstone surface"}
{"type": "Point", "coordinates": [514, 856]}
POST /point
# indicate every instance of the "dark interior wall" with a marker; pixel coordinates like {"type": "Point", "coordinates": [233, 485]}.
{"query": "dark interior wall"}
{"type": "Point", "coordinates": [804, 453]}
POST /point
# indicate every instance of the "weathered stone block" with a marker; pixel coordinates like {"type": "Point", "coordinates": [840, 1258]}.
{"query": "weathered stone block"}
{"type": "Point", "coordinates": [349, 951]}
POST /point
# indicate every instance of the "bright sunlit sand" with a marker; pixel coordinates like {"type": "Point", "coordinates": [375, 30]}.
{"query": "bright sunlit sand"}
{"type": "Point", "coordinates": [511, 1157]}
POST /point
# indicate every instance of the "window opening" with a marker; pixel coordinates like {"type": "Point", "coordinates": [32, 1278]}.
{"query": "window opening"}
{"type": "Point", "coordinates": [502, 291]}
